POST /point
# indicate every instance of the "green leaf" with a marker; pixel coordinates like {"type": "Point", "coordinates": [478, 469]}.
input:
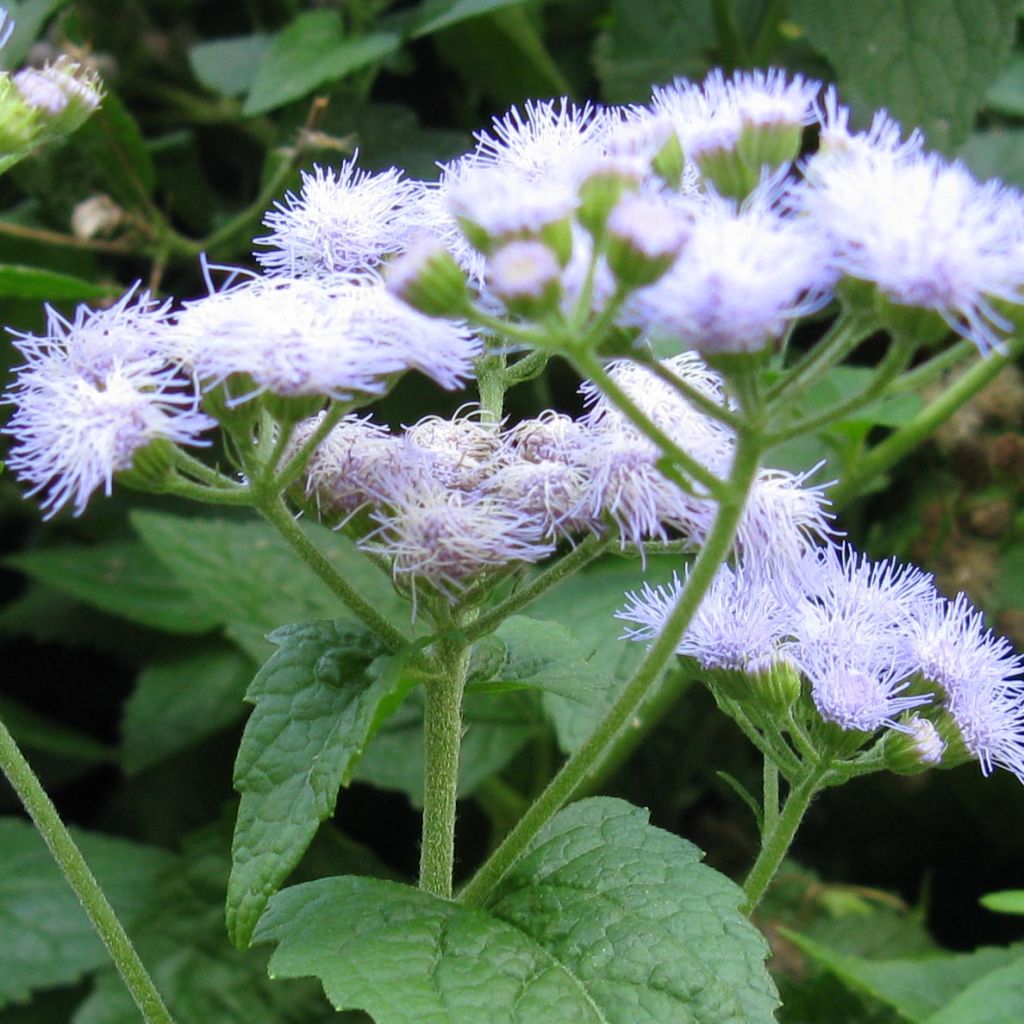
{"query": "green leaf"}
{"type": "Point", "coordinates": [1006, 95]}
{"type": "Point", "coordinates": [251, 580]}
{"type": "Point", "coordinates": [47, 939]}
{"type": "Point", "coordinates": [229, 66]}
{"type": "Point", "coordinates": [605, 920]}
{"type": "Point", "coordinates": [312, 51]}
{"type": "Point", "coordinates": [997, 998]}
{"type": "Point", "coordinates": [178, 703]}
{"type": "Point", "coordinates": [586, 605]}
{"type": "Point", "coordinates": [28, 16]}
{"type": "Point", "coordinates": [434, 15]}
{"type": "Point", "coordinates": [37, 732]}
{"type": "Point", "coordinates": [120, 578]}
{"type": "Point", "coordinates": [318, 702]}
{"type": "Point", "coordinates": [116, 147]}
{"type": "Point", "coordinates": [48, 285]}
{"type": "Point", "coordinates": [650, 44]}
{"type": "Point", "coordinates": [928, 62]}
{"type": "Point", "coordinates": [916, 988]}
{"type": "Point", "coordinates": [1009, 901]}
{"type": "Point", "coordinates": [998, 153]}
{"type": "Point", "coordinates": [496, 728]}
{"type": "Point", "coordinates": [203, 979]}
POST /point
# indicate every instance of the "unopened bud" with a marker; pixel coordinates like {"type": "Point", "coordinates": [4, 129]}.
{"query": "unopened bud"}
{"type": "Point", "coordinates": [601, 191]}
{"type": "Point", "coordinates": [916, 750]}
{"type": "Point", "coordinates": [428, 279]}
{"type": "Point", "coordinates": [527, 277]}
{"type": "Point", "coordinates": [645, 235]}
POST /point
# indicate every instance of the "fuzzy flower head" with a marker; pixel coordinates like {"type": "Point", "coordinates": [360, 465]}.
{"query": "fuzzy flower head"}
{"type": "Point", "coordinates": [341, 222]}
{"type": "Point", "coordinates": [461, 452]}
{"type": "Point", "coordinates": [744, 274]}
{"type": "Point", "coordinates": [922, 231]}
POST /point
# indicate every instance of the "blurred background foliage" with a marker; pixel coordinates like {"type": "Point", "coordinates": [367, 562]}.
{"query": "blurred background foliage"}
{"type": "Point", "coordinates": [128, 638]}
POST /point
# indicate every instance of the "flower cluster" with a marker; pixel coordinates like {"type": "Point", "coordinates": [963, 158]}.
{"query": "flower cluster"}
{"type": "Point", "coordinates": [449, 499]}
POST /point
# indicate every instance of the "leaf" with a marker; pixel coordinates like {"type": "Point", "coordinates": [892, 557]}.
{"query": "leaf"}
{"type": "Point", "coordinates": [915, 988]}
{"type": "Point", "coordinates": [1009, 901]}
{"type": "Point", "coordinates": [28, 16]}
{"type": "Point", "coordinates": [495, 730]}
{"type": "Point", "coordinates": [318, 703]}
{"type": "Point", "coordinates": [47, 939]}
{"type": "Point", "coordinates": [229, 66]}
{"type": "Point", "coordinates": [178, 703]}
{"type": "Point", "coordinates": [18, 282]}
{"type": "Point", "coordinates": [37, 732]}
{"type": "Point", "coordinates": [1006, 95]}
{"type": "Point", "coordinates": [650, 44]}
{"type": "Point", "coordinates": [586, 604]}
{"type": "Point", "coordinates": [998, 153]}
{"type": "Point", "coordinates": [120, 578]}
{"type": "Point", "coordinates": [203, 979]}
{"type": "Point", "coordinates": [116, 147]}
{"type": "Point", "coordinates": [928, 62]}
{"type": "Point", "coordinates": [309, 53]}
{"type": "Point", "coordinates": [251, 580]}
{"type": "Point", "coordinates": [997, 998]}
{"type": "Point", "coordinates": [605, 920]}
{"type": "Point", "coordinates": [435, 15]}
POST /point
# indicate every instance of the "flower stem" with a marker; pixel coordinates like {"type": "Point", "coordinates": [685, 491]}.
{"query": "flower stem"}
{"type": "Point", "coordinates": [904, 440]}
{"type": "Point", "coordinates": [603, 742]}
{"type": "Point", "coordinates": [778, 838]}
{"type": "Point", "coordinates": [74, 868]}
{"type": "Point", "coordinates": [276, 513]}
{"type": "Point", "coordinates": [442, 735]}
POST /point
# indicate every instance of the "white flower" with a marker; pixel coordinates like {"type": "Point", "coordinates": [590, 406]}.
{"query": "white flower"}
{"type": "Point", "coordinates": [342, 221]}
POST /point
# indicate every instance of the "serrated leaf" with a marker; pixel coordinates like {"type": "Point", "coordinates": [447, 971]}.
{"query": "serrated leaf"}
{"type": "Point", "coordinates": [178, 703]}
{"type": "Point", "coordinates": [251, 580]}
{"type": "Point", "coordinates": [318, 702]}
{"type": "Point", "coordinates": [605, 920]}
{"type": "Point", "coordinates": [650, 44]}
{"type": "Point", "coordinates": [229, 66]}
{"type": "Point", "coordinates": [495, 730]}
{"type": "Point", "coordinates": [312, 51]}
{"type": "Point", "coordinates": [121, 578]}
{"type": "Point", "coordinates": [17, 282]}
{"type": "Point", "coordinates": [47, 939]}
{"type": "Point", "coordinates": [928, 62]}
{"type": "Point", "coordinates": [915, 988]}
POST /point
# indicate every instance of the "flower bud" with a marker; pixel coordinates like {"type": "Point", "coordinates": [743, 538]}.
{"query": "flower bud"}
{"type": "Point", "coordinates": [600, 192]}
{"type": "Point", "coordinates": [64, 93]}
{"type": "Point", "coordinates": [526, 276]}
{"type": "Point", "coordinates": [152, 467]}
{"type": "Point", "coordinates": [645, 235]}
{"type": "Point", "coordinates": [916, 750]}
{"type": "Point", "coordinates": [428, 279]}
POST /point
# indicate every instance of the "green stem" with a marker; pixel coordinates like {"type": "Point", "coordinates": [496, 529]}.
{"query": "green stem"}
{"type": "Point", "coordinates": [527, 368]}
{"type": "Point", "coordinates": [904, 440]}
{"type": "Point", "coordinates": [770, 793]}
{"type": "Point", "coordinates": [442, 734]}
{"type": "Point", "coordinates": [584, 552]}
{"type": "Point", "coordinates": [778, 839]}
{"type": "Point", "coordinates": [588, 365]}
{"type": "Point", "coordinates": [75, 869]}
{"type": "Point", "coordinates": [731, 51]}
{"type": "Point", "coordinates": [921, 376]}
{"type": "Point", "coordinates": [182, 488]}
{"type": "Point", "coordinates": [604, 740]}
{"type": "Point", "coordinates": [292, 470]}
{"type": "Point", "coordinates": [205, 474]}
{"type": "Point", "coordinates": [693, 395]}
{"type": "Point", "coordinates": [490, 379]}
{"type": "Point", "coordinates": [277, 514]}
{"type": "Point", "coordinates": [767, 34]}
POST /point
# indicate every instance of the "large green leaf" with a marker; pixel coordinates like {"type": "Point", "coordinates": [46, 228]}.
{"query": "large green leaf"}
{"type": "Point", "coordinates": [312, 51]}
{"type": "Point", "coordinates": [996, 998]}
{"type": "Point", "coordinates": [650, 44]}
{"type": "Point", "coordinates": [121, 578]}
{"type": "Point", "coordinates": [928, 62]}
{"type": "Point", "coordinates": [318, 701]}
{"type": "Point", "coordinates": [998, 153]}
{"type": "Point", "coordinates": [177, 703]}
{"type": "Point", "coordinates": [47, 939]}
{"type": "Point", "coordinates": [434, 15]}
{"type": "Point", "coordinates": [920, 987]}
{"type": "Point", "coordinates": [605, 920]}
{"type": "Point", "coordinates": [252, 580]}
{"type": "Point", "coordinates": [229, 66]}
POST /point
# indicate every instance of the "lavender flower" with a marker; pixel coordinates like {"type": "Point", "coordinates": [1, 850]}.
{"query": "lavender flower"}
{"type": "Point", "coordinates": [342, 221]}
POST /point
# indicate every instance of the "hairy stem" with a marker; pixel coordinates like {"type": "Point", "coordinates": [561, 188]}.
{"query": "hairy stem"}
{"type": "Point", "coordinates": [74, 868]}
{"type": "Point", "coordinates": [602, 743]}
{"type": "Point", "coordinates": [442, 735]}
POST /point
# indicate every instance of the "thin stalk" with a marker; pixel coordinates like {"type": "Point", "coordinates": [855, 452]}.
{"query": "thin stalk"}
{"type": "Point", "coordinates": [602, 742]}
{"type": "Point", "coordinates": [777, 840]}
{"type": "Point", "coordinates": [293, 468]}
{"type": "Point", "coordinates": [81, 879]}
{"type": "Point", "coordinates": [442, 734]}
{"type": "Point", "coordinates": [276, 513]}
{"type": "Point", "coordinates": [904, 440]}
{"type": "Point", "coordinates": [584, 552]}
{"type": "Point", "coordinates": [183, 488]}
{"type": "Point", "coordinates": [921, 376]}
{"type": "Point", "coordinates": [767, 34]}
{"type": "Point", "coordinates": [588, 365]}
{"type": "Point", "coordinates": [846, 333]}
{"type": "Point", "coordinates": [693, 395]}
{"type": "Point", "coordinates": [203, 473]}
{"type": "Point", "coordinates": [490, 380]}
{"type": "Point", "coordinates": [770, 796]}
{"type": "Point", "coordinates": [731, 51]}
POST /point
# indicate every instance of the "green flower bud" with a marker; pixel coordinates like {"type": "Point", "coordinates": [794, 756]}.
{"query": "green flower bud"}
{"type": "Point", "coordinates": [428, 279]}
